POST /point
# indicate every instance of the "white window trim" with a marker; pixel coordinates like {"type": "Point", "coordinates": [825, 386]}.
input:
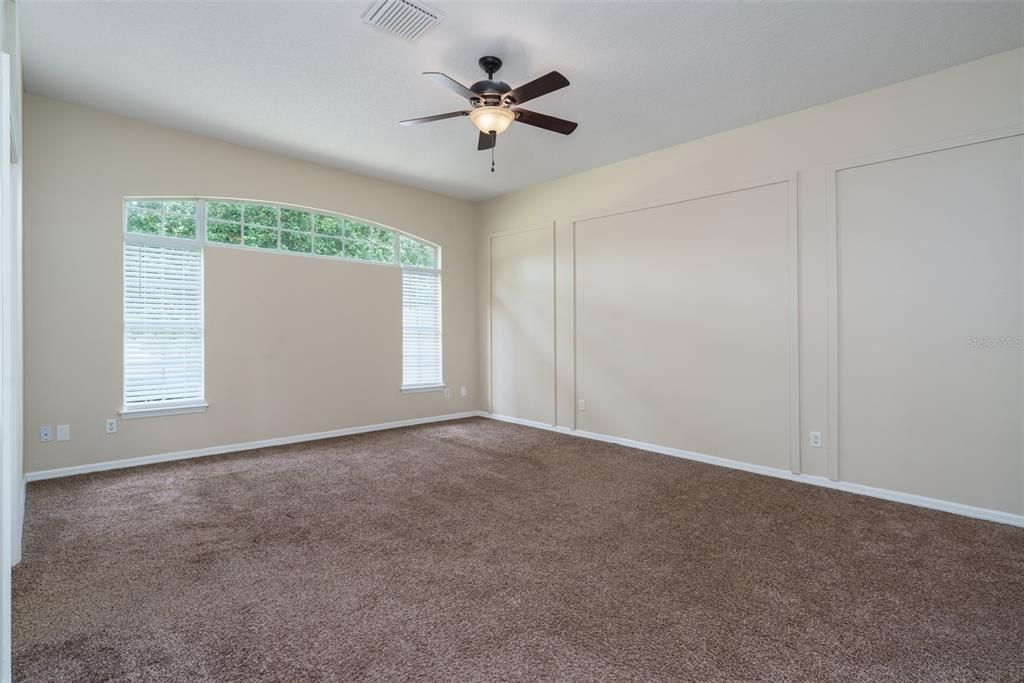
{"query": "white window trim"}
{"type": "Point", "coordinates": [154, 411]}
{"type": "Point", "coordinates": [423, 389]}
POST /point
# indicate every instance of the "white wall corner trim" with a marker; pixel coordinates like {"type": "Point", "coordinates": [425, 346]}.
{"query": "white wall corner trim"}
{"type": "Point", "coordinates": [236, 447]}
{"type": "Point", "coordinates": [848, 487]}
{"type": "Point", "coordinates": [11, 440]}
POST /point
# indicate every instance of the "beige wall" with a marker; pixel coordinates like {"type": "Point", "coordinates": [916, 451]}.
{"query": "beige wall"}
{"type": "Point", "coordinates": [923, 113]}
{"type": "Point", "coordinates": [294, 344]}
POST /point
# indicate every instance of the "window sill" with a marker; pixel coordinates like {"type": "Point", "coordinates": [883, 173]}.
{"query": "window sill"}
{"type": "Point", "coordinates": [133, 413]}
{"type": "Point", "coordinates": [421, 390]}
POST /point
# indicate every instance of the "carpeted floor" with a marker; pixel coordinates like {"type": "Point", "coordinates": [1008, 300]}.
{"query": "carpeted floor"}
{"type": "Point", "coordinates": [477, 550]}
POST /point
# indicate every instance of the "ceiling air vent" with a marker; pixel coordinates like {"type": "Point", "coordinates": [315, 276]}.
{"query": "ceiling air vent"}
{"type": "Point", "coordinates": [402, 18]}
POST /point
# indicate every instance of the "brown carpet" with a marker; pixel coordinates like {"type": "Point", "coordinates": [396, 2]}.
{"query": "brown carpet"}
{"type": "Point", "coordinates": [477, 550]}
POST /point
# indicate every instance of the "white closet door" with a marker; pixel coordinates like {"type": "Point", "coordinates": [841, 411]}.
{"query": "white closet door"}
{"type": "Point", "coordinates": [930, 324]}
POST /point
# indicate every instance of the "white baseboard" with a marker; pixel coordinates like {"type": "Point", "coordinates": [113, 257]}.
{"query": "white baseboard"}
{"type": "Point", "coordinates": [235, 447]}
{"type": "Point", "coordinates": [849, 487]}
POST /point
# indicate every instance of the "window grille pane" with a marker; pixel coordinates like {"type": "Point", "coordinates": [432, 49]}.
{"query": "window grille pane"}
{"type": "Point", "coordinates": [222, 231]}
{"type": "Point", "coordinates": [296, 241]}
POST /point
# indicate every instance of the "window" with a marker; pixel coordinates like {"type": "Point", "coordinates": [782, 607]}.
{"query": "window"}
{"type": "Point", "coordinates": [163, 283]}
{"type": "Point", "coordinates": [163, 324]}
{"type": "Point", "coordinates": [421, 315]}
{"type": "Point", "coordinates": [265, 226]}
{"type": "Point", "coordinates": [421, 329]}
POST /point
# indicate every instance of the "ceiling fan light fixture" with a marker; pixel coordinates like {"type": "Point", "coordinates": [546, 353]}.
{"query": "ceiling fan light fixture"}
{"type": "Point", "coordinates": [491, 103]}
{"type": "Point", "coordinates": [489, 119]}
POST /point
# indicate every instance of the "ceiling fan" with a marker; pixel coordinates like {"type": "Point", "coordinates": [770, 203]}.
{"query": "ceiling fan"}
{"type": "Point", "coordinates": [492, 103]}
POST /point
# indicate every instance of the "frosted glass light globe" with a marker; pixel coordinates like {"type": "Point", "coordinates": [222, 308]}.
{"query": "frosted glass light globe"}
{"type": "Point", "coordinates": [489, 119]}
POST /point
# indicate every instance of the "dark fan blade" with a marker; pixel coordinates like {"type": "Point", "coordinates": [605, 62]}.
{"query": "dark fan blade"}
{"type": "Point", "coordinates": [437, 117]}
{"type": "Point", "coordinates": [487, 141]}
{"type": "Point", "coordinates": [544, 121]}
{"type": "Point", "coordinates": [541, 86]}
{"type": "Point", "coordinates": [451, 84]}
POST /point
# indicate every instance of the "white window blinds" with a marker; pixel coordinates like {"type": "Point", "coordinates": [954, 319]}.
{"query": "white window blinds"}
{"type": "Point", "coordinates": [421, 328]}
{"type": "Point", "coordinates": [163, 327]}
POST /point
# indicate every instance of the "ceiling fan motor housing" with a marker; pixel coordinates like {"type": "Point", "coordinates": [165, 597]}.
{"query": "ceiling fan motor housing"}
{"type": "Point", "coordinates": [490, 92]}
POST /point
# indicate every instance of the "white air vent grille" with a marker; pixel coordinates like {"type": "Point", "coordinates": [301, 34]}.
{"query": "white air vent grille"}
{"type": "Point", "coordinates": [402, 18]}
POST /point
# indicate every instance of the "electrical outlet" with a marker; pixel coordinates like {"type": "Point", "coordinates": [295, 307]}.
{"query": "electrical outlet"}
{"type": "Point", "coordinates": [583, 404]}
{"type": "Point", "coordinates": [45, 434]}
{"type": "Point", "coordinates": [815, 439]}
{"type": "Point", "coordinates": [111, 426]}
{"type": "Point", "coordinates": [462, 391]}
{"type": "Point", "coordinates": [63, 432]}
{"type": "Point", "coordinates": [447, 392]}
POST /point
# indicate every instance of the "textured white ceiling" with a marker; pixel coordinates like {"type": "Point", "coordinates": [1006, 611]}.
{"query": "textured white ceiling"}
{"type": "Point", "coordinates": [310, 80]}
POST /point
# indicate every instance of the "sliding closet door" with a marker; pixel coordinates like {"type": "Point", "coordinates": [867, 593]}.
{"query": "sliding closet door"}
{"type": "Point", "coordinates": [930, 324]}
{"type": "Point", "coordinates": [523, 325]}
{"type": "Point", "coordinates": [683, 319]}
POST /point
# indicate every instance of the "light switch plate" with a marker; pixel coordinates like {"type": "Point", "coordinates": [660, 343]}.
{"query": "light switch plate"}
{"type": "Point", "coordinates": [63, 432]}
